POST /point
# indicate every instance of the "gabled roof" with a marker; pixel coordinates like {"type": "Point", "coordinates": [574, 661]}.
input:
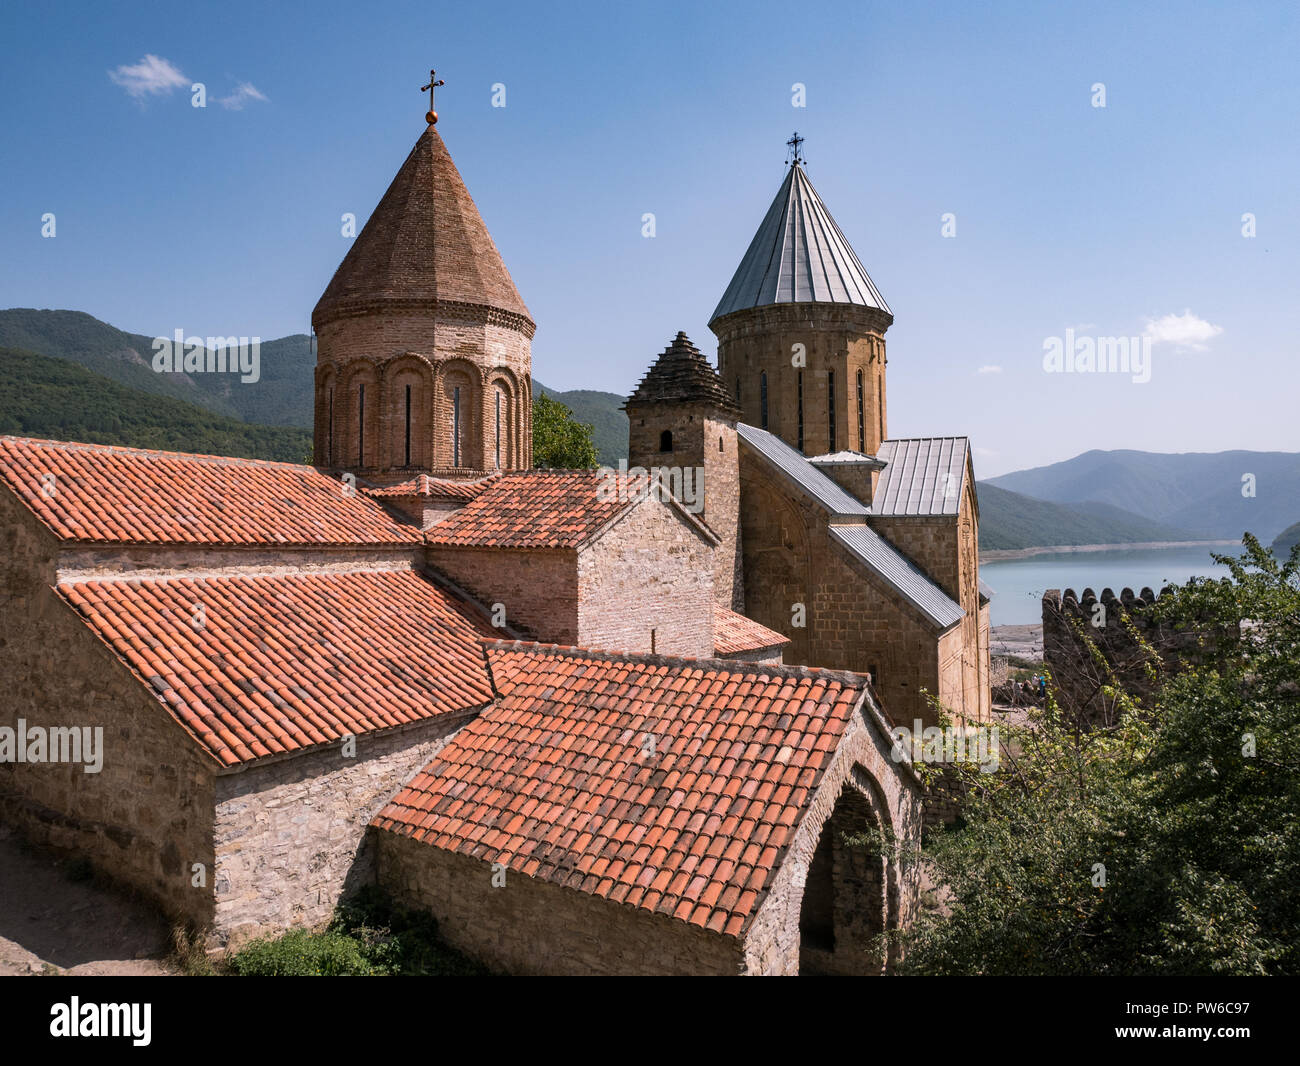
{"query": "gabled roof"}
{"type": "Point", "coordinates": [924, 476]}
{"type": "Point", "coordinates": [430, 488]}
{"type": "Point", "coordinates": [425, 243]}
{"type": "Point", "coordinates": [682, 374]}
{"type": "Point", "coordinates": [798, 469]}
{"type": "Point", "coordinates": [669, 785]}
{"type": "Point", "coordinates": [280, 664]}
{"type": "Point", "coordinates": [98, 493]}
{"type": "Point", "coordinates": [799, 255]}
{"type": "Point", "coordinates": [733, 633]}
{"type": "Point", "coordinates": [846, 457]}
{"type": "Point", "coordinates": [900, 573]}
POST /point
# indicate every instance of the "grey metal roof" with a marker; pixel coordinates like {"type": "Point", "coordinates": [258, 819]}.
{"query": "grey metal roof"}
{"type": "Point", "coordinates": [901, 573]}
{"type": "Point", "coordinates": [924, 476]}
{"type": "Point", "coordinates": [799, 255]}
{"type": "Point", "coordinates": [797, 468]}
{"type": "Point", "coordinates": [845, 458]}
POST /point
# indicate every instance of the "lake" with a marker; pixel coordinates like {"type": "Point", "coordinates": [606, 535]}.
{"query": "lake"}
{"type": "Point", "coordinates": [1019, 584]}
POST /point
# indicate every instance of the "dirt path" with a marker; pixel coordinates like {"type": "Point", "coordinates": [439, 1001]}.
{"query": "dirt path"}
{"type": "Point", "coordinates": [52, 924]}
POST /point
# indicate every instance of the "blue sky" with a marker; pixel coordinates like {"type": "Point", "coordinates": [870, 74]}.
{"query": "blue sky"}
{"type": "Point", "coordinates": [1117, 221]}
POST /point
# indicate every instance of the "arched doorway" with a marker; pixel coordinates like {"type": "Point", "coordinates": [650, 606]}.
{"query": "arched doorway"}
{"type": "Point", "coordinates": [844, 914]}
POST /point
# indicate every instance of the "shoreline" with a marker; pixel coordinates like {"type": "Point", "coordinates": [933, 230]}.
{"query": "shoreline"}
{"type": "Point", "coordinates": [997, 555]}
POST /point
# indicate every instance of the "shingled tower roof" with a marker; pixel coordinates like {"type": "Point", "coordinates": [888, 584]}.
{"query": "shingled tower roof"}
{"type": "Point", "coordinates": [799, 255]}
{"type": "Point", "coordinates": [682, 375]}
{"type": "Point", "coordinates": [424, 244]}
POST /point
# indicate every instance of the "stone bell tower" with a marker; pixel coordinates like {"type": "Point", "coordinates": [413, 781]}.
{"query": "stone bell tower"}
{"type": "Point", "coordinates": [424, 358]}
{"type": "Point", "coordinates": [801, 329]}
{"type": "Point", "coordinates": [681, 418]}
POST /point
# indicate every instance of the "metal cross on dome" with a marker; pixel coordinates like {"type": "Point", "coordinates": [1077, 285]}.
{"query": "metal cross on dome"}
{"type": "Point", "coordinates": [434, 82]}
{"type": "Point", "coordinates": [796, 157]}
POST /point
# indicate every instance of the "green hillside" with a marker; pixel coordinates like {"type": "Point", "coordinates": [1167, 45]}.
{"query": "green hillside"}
{"type": "Point", "coordinates": [1011, 520]}
{"type": "Point", "coordinates": [1197, 491]}
{"type": "Point", "coordinates": [601, 411]}
{"type": "Point", "coordinates": [1286, 540]}
{"type": "Point", "coordinates": [282, 396]}
{"type": "Point", "coordinates": [59, 400]}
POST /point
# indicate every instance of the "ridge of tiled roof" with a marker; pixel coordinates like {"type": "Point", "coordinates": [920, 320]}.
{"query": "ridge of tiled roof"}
{"type": "Point", "coordinates": [425, 243]}
{"type": "Point", "coordinates": [103, 493]}
{"type": "Point", "coordinates": [799, 255]}
{"type": "Point", "coordinates": [431, 487]}
{"type": "Point", "coordinates": [280, 664]}
{"type": "Point", "coordinates": [557, 780]}
{"type": "Point", "coordinates": [545, 509]}
{"type": "Point", "coordinates": [733, 633]}
{"type": "Point", "coordinates": [106, 494]}
{"type": "Point", "coordinates": [682, 374]}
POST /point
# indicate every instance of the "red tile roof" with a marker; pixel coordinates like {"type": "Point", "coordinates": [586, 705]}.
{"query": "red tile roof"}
{"type": "Point", "coordinates": [283, 663]}
{"type": "Point", "coordinates": [558, 782]}
{"type": "Point", "coordinates": [129, 495]}
{"type": "Point", "coordinates": [734, 633]}
{"type": "Point", "coordinates": [532, 509]}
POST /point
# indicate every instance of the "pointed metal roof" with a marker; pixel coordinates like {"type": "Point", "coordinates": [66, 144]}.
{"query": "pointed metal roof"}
{"type": "Point", "coordinates": [799, 255]}
{"type": "Point", "coordinates": [424, 244]}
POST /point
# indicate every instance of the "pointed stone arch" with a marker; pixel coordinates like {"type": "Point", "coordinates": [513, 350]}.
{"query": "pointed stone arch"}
{"type": "Point", "coordinates": [325, 441]}
{"type": "Point", "coordinates": [458, 407]}
{"type": "Point", "coordinates": [408, 410]}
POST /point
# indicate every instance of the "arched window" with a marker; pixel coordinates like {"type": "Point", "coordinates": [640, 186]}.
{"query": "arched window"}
{"type": "Point", "coordinates": [455, 426]}
{"type": "Point", "coordinates": [800, 399]}
{"type": "Point", "coordinates": [361, 425]}
{"type": "Point", "coordinates": [762, 400]}
{"type": "Point", "coordinates": [830, 401]}
{"type": "Point", "coordinates": [666, 440]}
{"type": "Point", "coordinates": [498, 428]}
{"type": "Point", "coordinates": [737, 391]}
{"type": "Point", "coordinates": [720, 448]}
{"type": "Point", "coordinates": [862, 438]}
{"type": "Point", "coordinates": [407, 451]}
{"type": "Point", "coordinates": [329, 439]}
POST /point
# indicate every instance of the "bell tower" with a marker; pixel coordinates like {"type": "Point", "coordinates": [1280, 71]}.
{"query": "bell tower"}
{"type": "Point", "coordinates": [424, 360]}
{"type": "Point", "coordinates": [801, 328]}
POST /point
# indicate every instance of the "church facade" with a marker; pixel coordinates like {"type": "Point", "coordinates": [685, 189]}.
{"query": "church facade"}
{"type": "Point", "coordinates": [590, 732]}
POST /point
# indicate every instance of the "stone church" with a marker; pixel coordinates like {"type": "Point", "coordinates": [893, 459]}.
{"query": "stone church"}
{"type": "Point", "coordinates": [589, 734]}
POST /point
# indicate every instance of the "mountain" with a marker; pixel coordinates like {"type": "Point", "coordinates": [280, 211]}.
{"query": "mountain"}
{"type": "Point", "coordinates": [600, 410]}
{"type": "Point", "coordinates": [282, 396]}
{"type": "Point", "coordinates": [60, 400]}
{"type": "Point", "coordinates": [1012, 520]}
{"type": "Point", "coordinates": [1196, 491]}
{"type": "Point", "coordinates": [1286, 540]}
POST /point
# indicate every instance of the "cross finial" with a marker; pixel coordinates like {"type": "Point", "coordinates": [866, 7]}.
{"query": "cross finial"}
{"type": "Point", "coordinates": [434, 82]}
{"type": "Point", "coordinates": [796, 157]}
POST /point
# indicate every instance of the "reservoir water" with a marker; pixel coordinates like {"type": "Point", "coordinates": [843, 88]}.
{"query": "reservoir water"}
{"type": "Point", "coordinates": [1019, 584]}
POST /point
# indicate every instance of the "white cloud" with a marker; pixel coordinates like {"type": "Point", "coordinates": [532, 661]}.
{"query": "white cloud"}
{"type": "Point", "coordinates": [1184, 331]}
{"type": "Point", "coordinates": [989, 370]}
{"type": "Point", "coordinates": [244, 92]}
{"type": "Point", "coordinates": [152, 76]}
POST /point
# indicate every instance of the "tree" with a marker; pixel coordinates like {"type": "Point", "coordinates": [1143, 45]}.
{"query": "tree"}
{"type": "Point", "coordinates": [1167, 843]}
{"type": "Point", "coordinates": [558, 440]}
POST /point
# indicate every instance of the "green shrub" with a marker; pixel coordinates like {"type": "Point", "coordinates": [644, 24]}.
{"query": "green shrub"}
{"type": "Point", "coordinates": [301, 953]}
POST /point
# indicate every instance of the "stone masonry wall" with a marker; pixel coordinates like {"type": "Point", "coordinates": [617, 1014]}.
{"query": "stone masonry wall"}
{"type": "Point", "coordinates": [528, 926]}
{"type": "Point", "coordinates": [651, 572]}
{"type": "Point", "coordinates": [146, 816]}
{"type": "Point", "coordinates": [538, 587]}
{"type": "Point", "coordinates": [291, 834]}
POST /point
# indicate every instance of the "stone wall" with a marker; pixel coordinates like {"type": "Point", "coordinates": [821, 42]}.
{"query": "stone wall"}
{"type": "Point", "coordinates": [1076, 679]}
{"type": "Point", "coordinates": [146, 816]}
{"type": "Point", "coordinates": [291, 833]}
{"type": "Point", "coordinates": [528, 926]}
{"type": "Point", "coordinates": [538, 587]}
{"type": "Point", "coordinates": [651, 572]}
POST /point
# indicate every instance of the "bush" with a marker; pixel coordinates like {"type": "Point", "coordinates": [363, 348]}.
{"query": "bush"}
{"type": "Point", "coordinates": [302, 953]}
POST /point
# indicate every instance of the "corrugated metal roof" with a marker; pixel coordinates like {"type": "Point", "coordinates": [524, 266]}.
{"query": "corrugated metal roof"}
{"type": "Point", "coordinates": [803, 473]}
{"type": "Point", "coordinates": [799, 255]}
{"type": "Point", "coordinates": [924, 476]}
{"type": "Point", "coordinates": [901, 573]}
{"type": "Point", "coordinates": [844, 458]}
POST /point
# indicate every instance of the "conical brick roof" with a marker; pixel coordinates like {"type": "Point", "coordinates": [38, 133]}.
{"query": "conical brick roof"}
{"type": "Point", "coordinates": [682, 374]}
{"type": "Point", "coordinates": [424, 244]}
{"type": "Point", "coordinates": [799, 255]}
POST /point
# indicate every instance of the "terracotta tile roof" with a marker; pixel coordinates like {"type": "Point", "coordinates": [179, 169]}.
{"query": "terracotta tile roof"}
{"type": "Point", "coordinates": [432, 487]}
{"type": "Point", "coordinates": [557, 780]}
{"type": "Point", "coordinates": [130, 495]}
{"type": "Point", "coordinates": [531, 509]}
{"type": "Point", "coordinates": [284, 663]}
{"type": "Point", "coordinates": [733, 633]}
{"type": "Point", "coordinates": [424, 244]}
